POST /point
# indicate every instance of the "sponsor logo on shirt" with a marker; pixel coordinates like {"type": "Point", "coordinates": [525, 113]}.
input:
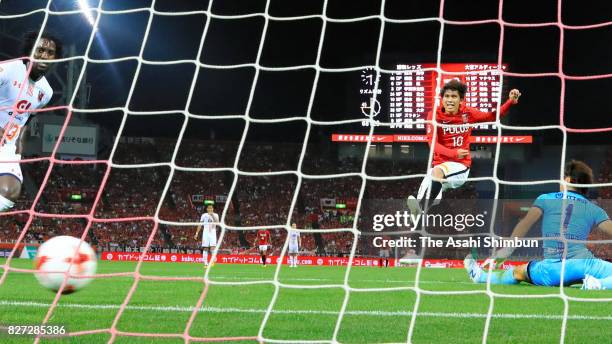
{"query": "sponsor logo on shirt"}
{"type": "Point", "coordinates": [456, 130]}
{"type": "Point", "coordinates": [23, 106]}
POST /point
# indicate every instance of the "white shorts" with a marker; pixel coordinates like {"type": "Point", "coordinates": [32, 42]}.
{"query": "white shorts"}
{"type": "Point", "coordinates": [384, 253]}
{"type": "Point", "coordinates": [11, 168]}
{"type": "Point", "coordinates": [209, 239]}
{"type": "Point", "coordinates": [455, 174]}
{"type": "Point", "coordinates": [294, 249]}
{"type": "Point", "coordinates": [263, 247]}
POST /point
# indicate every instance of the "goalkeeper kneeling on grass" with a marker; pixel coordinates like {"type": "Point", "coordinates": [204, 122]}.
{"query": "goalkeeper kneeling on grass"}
{"type": "Point", "coordinates": [577, 216]}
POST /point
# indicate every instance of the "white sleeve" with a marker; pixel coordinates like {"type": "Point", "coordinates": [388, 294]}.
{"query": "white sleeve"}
{"type": "Point", "coordinates": [5, 77]}
{"type": "Point", "coordinates": [5, 74]}
{"type": "Point", "coordinates": [4, 119]}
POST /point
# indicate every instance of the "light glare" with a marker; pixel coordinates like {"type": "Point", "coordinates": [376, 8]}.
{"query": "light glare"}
{"type": "Point", "coordinates": [84, 6]}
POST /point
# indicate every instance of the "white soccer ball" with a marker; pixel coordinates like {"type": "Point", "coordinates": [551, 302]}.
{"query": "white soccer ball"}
{"type": "Point", "coordinates": [53, 260]}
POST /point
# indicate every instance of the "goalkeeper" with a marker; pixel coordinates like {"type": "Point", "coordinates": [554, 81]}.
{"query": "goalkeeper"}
{"type": "Point", "coordinates": [578, 218]}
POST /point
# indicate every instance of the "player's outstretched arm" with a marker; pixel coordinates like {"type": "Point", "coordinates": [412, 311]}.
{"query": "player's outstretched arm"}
{"type": "Point", "coordinates": [520, 230]}
{"type": "Point", "coordinates": [513, 98]}
{"type": "Point", "coordinates": [606, 227]}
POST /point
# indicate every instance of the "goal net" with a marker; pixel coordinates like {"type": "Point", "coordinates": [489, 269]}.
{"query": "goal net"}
{"type": "Point", "coordinates": [260, 76]}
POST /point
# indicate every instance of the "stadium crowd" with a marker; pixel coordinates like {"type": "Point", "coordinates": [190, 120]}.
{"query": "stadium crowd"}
{"type": "Point", "coordinates": [132, 197]}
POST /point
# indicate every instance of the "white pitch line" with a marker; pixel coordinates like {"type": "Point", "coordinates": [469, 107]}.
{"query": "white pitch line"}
{"type": "Point", "coordinates": [339, 281]}
{"type": "Point", "coordinates": [313, 279]}
{"type": "Point", "coordinates": [308, 312]}
{"type": "Point", "coordinates": [212, 278]}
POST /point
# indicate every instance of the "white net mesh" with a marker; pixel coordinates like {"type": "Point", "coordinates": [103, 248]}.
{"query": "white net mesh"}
{"type": "Point", "coordinates": [249, 120]}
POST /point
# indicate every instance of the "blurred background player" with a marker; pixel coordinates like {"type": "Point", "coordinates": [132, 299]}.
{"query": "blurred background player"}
{"type": "Point", "coordinates": [383, 255]}
{"type": "Point", "coordinates": [295, 242]}
{"type": "Point", "coordinates": [262, 242]}
{"type": "Point", "coordinates": [15, 96]}
{"type": "Point", "coordinates": [410, 258]}
{"type": "Point", "coordinates": [208, 222]}
{"type": "Point", "coordinates": [577, 218]}
{"type": "Point", "coordinates": [451, 158]}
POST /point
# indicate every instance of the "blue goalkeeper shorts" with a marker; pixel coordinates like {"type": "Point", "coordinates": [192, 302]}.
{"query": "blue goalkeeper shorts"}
{"type": "Point", "coordinates": [547, 272]}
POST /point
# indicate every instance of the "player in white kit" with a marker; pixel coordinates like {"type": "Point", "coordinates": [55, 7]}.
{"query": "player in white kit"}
{"type": "Point", "coordinates": [208, 222]}
{"type": "Point", "coordinates": [295, 241]}
{"type": "Point", "coordinates": [21, 93]}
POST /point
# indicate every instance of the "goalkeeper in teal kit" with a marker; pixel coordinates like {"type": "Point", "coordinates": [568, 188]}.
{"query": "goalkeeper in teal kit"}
{"type": "Point", "coordinates": [572, 218]}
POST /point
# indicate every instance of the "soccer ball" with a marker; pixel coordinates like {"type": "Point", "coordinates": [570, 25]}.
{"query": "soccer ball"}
{"type": "Point", "coordinates": [53, 260]}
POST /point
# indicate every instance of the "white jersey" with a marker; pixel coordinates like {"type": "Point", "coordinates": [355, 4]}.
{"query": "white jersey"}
{"type": "Point", "coordinates": [35, 95]}
{"type": "Point", "coordinates": [294, 237]}
{"type": "Point", "coordinates": [208, 227]}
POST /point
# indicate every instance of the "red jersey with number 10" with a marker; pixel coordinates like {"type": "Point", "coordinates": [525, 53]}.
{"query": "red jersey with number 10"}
{"type": "Point", "coordinates": [454, 132]}
{"type": "Point", "coordinates": [263, 237]}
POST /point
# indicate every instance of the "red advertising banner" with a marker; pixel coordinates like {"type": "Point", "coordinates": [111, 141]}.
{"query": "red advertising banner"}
{"type": "Point", "coordinates": [364, 138]}
{"type": "Point", "coordinates": [423, 138]}
{"type": "Point", "coordinates": [302, 260]}
{"type": "Point", "coordinates": [504, 139]}
{"type": "Point", "coordinates": [238, 259]}
{"type": "Point", "coordinates": [11, 245]}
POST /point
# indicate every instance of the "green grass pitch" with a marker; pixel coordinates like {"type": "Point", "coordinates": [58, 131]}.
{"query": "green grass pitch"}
{"type": "Point", "coordinates": [301, 314]}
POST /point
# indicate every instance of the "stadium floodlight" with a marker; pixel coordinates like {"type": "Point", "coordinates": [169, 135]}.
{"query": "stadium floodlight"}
{"type": "Point", "coordinates": [84, 6]}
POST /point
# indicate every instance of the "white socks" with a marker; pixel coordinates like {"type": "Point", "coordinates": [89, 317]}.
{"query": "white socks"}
{"type": "Point", "coordinates": [5, 203]}
{"type": "Point", "coordinates": [205, 256]}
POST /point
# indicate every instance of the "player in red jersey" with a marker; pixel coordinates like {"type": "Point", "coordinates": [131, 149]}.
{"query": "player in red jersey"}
{"type": "Point", "coordinates": [451, 158]}
{"type": "Point", "coordinates": [262, 241]}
